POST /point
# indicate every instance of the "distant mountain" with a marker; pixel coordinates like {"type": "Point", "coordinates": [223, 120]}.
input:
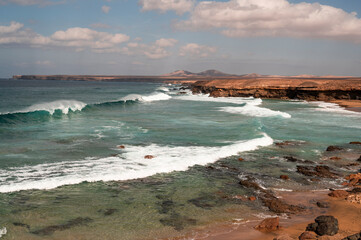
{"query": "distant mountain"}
{"type": "Point", "coordinates": [207, 73]}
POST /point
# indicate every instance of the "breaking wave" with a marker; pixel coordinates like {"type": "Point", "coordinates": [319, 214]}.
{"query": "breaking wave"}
{"type": "Point", "coordinates": [130, 164]}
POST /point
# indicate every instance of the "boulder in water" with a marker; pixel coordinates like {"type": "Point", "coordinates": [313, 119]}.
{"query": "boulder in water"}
{"type": "Point", "coordinates": [148, 156]}
{"type": "Point", "coordinates": [333, 148]}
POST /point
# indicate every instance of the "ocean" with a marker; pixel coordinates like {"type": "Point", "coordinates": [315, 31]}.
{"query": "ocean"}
{"type": "Point", "coordinates": [132, 160]}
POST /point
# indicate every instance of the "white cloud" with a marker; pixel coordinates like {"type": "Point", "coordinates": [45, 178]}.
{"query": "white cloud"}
{"type": "Point", "coordinates": [196, 50]}
{"type": "Point", "coordinates": [105, 9]}
{"type": "Point", "coordinates": [274, 18]}
{"type": "Point", "coordinates": [31, 2]}
{"type": "Point", "coordinates": [79, 38]}
{"type": "Point", "coordinates": [155, 50]}
{"type": "Point", "coordinates": [179, 6]}
{"type": "Point", "coordinates": [163, 42]}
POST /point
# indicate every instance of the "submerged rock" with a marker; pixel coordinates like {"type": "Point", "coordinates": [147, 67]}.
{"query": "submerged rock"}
{"type": "Point", "coordinates": [319, 171]}
{"type": "Point", "coordinates": [269, 225]}
{"type": "Point", "coordinates": [284, 177]}
{"type": "Point", "coordinates": [359, 143]}
{"type": "Point", "coordinates": [71, 223]}
{"type": "Point", "coordinates": [324, 225]}
{"type": "Point", "coordinates": [333, 148]}
{"type": "Point", "coordinates": [177, 221]}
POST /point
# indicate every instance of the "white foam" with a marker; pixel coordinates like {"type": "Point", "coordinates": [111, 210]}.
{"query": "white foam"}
{"type": "Point", "coordinates": [3, 231]}
{"type": "Point", "coordinates": [332, 107]}
{"type": "Point", "coordinates": [130, 164]}
{"type": "Point", "coordinates": [63, 105]}
{"type": "Point", "coordinates": [156, 96]}
{"type": "Point", "coordinates": [163, 89]}
{"type": "Point", "coordinates": [234, 100]}
{"type": "Point", "coordinates": [254, 111]}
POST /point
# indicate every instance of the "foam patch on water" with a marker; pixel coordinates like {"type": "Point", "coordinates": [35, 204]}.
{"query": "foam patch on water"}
{"type": "Point", "coordinates": [332, 107]}
{"type": "Point", "coordinates": [63, 105]}
{"type": "Point", "coordinates": [157, 96]}
{"type": "Point", "coordinates": [254, 111]}
{"type": "Point", "coordinates": [130, 164]}
{"type": "Point", "coordinates": [234, 100]}
{"type": "Point", "coordinates": [3, 231]}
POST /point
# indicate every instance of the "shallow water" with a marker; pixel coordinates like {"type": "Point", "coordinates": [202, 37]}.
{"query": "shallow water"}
{"type": "Point", "coordinates": [60, 146]}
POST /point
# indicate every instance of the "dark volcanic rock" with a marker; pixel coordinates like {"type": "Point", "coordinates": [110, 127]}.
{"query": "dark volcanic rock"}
{"type": "Point", "coordinates": [18, 224]}
{"type": "Point", "coordinates": [109, 211]}
{"type": "Point", "coordinates": [324, 225]}
{"type": "Point", "coordinates": [333, 148]}
{"type": "Point", "coordinates": [291, 159]}
{"type": "Point", "coordinates": [71, 223]}
{"type": "Point", "coordinates": [359, 159]}
{"type": "Point", "coordinates": [319, 171]}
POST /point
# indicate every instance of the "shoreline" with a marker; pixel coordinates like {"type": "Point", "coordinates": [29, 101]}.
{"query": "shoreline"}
{"type": "Point", "coordinates": [292, 227]}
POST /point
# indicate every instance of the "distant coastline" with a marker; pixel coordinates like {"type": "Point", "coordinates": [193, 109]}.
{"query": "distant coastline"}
{"type": "Point", "coordinates": [343, 90]}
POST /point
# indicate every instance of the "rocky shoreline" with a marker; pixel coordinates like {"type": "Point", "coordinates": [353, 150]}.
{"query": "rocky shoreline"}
{"type": "Point", "coordinates": [325, 215]}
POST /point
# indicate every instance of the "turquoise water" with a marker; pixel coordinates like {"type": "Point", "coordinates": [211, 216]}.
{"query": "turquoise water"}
{"type": "Point", "coordinates": [60, 156]}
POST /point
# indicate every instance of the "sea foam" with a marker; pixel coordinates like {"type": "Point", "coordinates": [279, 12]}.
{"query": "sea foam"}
{"type": "Point", "coordinates": [156, 96]}
{"type": "Point", "coordinates": [63, 105]}
{"type": "Point", "coordinates": [130, 164]}
{"type": "Point", "coordinates": [254, 111]}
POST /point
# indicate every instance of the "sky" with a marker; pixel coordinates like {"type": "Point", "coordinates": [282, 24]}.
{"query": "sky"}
{"type": "Point", "coordinates": [153, 37]}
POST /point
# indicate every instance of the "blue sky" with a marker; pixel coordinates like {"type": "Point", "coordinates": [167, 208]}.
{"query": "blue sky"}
{"type": "Point", "coordinates": [152, 37]}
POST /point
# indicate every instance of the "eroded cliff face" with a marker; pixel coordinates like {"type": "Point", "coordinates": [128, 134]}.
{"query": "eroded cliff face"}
{"type": "Point", "coordinates": [318, 90]}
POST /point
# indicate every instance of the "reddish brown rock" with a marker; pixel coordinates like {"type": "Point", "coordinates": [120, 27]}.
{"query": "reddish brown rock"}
{"type": "Point", "coordinates": [240, 159]}
{"type": "Point", "coordinates": [354, 179]}
{"type": "Point", "coordinates": [269, 225]}
{"type": "Point", "coordinates": [284, 177]}
{"type": "Point", "coordinates": [359, 143]}
{"type": "Point", "coordinates": [252, 198]}
{"type": "Point", "coordinates": [121, 146]}
{"type": "Point", "coordinates": [308, 236]}
{"type": "Point", "coordinates": [338, 194]}
{"type": "Point", "coordinates": [148, 156]}
{"type": "Point", "coordinates": [335, 158]}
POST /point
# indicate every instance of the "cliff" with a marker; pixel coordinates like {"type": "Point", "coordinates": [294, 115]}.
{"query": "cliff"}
{"type": "Point", "coordinates": [311, 89]}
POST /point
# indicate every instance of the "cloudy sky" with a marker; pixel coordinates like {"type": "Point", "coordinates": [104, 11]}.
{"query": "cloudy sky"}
{"type": "Point", "coordinates": [151, 37]}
